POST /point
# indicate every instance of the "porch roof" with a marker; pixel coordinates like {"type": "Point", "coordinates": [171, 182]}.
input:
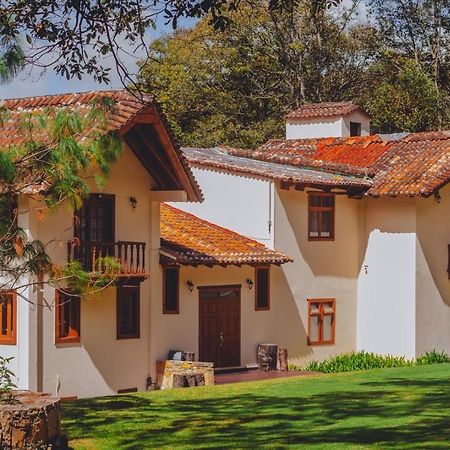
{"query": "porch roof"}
{"type": "Point", "coordinates": [186, 239]}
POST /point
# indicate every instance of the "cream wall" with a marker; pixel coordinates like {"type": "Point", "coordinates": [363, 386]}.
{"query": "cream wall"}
{"type": "Point", "coordinates": [100, 364]}
{"type": "Point", "coordinates": [180, 331]}
{"type": "Point", "coordinates": [387, 280]}
{"type": "Point", "coordinates": [432, 282]}
{"type": "Point", "coordinates": [321, 269]}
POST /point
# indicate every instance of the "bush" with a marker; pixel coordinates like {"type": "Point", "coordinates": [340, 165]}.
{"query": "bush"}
{"type": "Point", "coordinates": [365, 360]}
{"type": "Point", "coordinates": [433, 357]}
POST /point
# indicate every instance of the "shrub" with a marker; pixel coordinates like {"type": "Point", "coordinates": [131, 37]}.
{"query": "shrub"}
{"type": "Point", "coordinates": [365, 360]}
{"type": "Point", "coordinates": [433, 357]}
{"type": "Point", "coordinates": [6, 381]}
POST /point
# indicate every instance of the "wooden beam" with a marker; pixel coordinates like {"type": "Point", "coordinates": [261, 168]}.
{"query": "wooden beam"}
{"type": "Point", "coordinates": [299, 187]}
{"type": "Point", "coordinates": [286, 185]}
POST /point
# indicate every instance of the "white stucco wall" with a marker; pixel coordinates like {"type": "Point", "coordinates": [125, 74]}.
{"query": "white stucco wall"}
{"type": "Point", "coordinates": [386, 311]}
{"type": "Point", "coordinates": [322, 127]}
{"type": "Point", "coordinates": [243, 205]}
{"type": "Point", "coordinates": [314, 128]}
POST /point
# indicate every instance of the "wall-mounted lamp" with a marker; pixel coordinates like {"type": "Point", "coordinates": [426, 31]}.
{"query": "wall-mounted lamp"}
{"type": "Point", "coordinates": [249, 283]}
{"type": "Point", "coordinates": [437, 197]}
{"type": "Point", "coordinates": [190, 285]}
{"type": "Point", "coordinates": [133, 202]}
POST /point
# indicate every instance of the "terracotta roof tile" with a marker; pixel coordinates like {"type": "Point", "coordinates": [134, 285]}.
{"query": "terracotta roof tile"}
{"type": "Point", "coordinates": [328, 109]}
{"type": "Point", "coordinates": [126, 107]}
{"type": "Point", "coordinates": [194, 241]}
{"type": "Point", "coordinates": [284, 169]}
{"type": "Point", "coordinates": [410, 164]}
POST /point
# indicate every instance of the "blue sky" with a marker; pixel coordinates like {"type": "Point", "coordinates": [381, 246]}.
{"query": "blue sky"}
{"type": "Point", "coordinates": [32, 82]}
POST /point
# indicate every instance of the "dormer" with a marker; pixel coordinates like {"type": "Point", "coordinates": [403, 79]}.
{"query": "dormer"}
{"type": "Point", "coordinates": [332, 119]}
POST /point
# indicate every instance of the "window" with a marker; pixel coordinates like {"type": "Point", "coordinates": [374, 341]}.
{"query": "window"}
{"type": "Point", "coordinates": [262, 293]}
{"type": "Point", "coordinates": [355, 129]}
{"type": "Point", "coordinates": [128, 316]}
{"type": "Point", "coordinates": [320, 216]}
{"type": "Point", "coordinates": [67, 318]}
{"type": "Point", "coordinates": [321, 319]}
{"type": "Point", "coordinates": [171, 282]}
{"type": "Point", "coordinates": [8, 314]}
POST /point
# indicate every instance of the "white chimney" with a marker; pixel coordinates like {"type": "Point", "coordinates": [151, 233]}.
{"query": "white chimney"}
{"type": "Point", "coordinates": [320, 120]}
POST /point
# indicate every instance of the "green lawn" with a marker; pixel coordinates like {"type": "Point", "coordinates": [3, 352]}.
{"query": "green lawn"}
{"type": "Point", "coordinates": [391, 408]}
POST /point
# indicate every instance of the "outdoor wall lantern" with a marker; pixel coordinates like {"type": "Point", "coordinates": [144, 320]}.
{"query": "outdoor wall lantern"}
{"type": "Point", "coordinates": [249, 283]}
{"type": "Point", "coordinates": [133, 202]}
{"type": "Point", "coordinates": [190, 285]}
{"type": "Point", "coordinates": [437, 197]}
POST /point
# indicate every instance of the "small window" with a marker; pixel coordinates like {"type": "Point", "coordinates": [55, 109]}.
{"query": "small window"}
{"type": "Point", "coordinates": [128, 315]}
{"type": "Point", "coordinates": [355, 129]}
{"type": "Point", "coordinates": [320, 216]}
{"type": "Point", "coordinates": [67, 318]}
{"type": "Point", "coordinates": [262, 293]}
{"type": "Point", "coordinates": [321, 320]}
{"type": "Point", "coordinates": [171, 284]}
{"type": "Point", "coordinates": [8, 315]}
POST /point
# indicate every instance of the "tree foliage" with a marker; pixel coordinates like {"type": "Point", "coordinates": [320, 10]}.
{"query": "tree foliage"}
{"type": "Point", "coordinates": [235, 86]}
{"type": "Point", "coordinates": [72, 36]}
{"type": "Point", "coordinates": [49, 165]}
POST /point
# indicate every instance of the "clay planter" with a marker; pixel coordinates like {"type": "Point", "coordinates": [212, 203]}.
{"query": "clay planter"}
{"type": "Point", "coordinates": [33, 421]}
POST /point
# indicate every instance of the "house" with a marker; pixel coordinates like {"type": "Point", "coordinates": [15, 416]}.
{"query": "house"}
{"type": "Point", "coordinates": [365, 219]}
{"type": "Point", "coordinates": [110, 341]}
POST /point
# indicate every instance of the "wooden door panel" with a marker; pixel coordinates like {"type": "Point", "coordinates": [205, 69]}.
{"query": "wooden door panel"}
{"type": "Point", "coordinates": [220, 326]}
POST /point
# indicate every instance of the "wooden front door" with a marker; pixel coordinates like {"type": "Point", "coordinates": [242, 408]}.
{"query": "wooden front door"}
{"type": "Point", "coordinates": [220, 325]}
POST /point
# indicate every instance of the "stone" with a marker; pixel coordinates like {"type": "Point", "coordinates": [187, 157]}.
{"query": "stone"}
{"type": "Point", "coordinates": [33, 421]}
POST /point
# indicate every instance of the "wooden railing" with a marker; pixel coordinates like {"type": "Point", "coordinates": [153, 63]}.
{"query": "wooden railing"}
{"type": "Point", "coordinates": [122, 258]}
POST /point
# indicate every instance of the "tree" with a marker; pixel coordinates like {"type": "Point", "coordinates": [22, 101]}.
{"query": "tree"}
{"type": "Point", "coordinates": [405, 100]}
{"type": "Point", "coordinates": [59, 146]}
{"type": "Point", "coordinates": [234, 87]}
{"type": "Point", "coordinates": [72, 35]}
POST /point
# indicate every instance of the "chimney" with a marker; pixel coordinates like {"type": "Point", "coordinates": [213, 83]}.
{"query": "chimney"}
{"type": "Point", "coordinates": [321, 120]}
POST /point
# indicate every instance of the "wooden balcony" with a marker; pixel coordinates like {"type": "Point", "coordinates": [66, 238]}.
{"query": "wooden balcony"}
{"type": "Point", "coordinates": [128, 258]}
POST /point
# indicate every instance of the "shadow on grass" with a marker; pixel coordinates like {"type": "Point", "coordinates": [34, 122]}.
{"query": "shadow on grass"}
{"type": "Point", "coordinates": [397, 413]}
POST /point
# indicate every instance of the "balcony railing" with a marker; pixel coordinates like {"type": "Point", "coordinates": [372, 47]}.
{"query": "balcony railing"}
{"type": "Point", "coordinates": [122, 258]}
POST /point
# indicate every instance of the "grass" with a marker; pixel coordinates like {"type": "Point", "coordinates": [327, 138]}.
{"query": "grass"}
{"type": "Point", "coordinates": [406, 407]}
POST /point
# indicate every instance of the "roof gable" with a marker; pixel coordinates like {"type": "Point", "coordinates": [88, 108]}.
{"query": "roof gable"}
{"type": "Point", "coordinates": [127, 114]}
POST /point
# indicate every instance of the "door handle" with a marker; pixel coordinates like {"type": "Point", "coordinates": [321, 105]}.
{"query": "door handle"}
{"type": "Point", "coordinates": [221, 339]}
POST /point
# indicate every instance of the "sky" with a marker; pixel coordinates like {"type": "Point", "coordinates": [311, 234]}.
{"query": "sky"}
{"type": "Point", "coordinates": [32, 82]}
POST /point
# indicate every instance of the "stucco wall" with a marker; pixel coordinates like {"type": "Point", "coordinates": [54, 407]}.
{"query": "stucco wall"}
{"type": "Point", "coordinates": [320, 270]}
{"type": "Point", "coordinates": [387, 284]}
{"type": "Point", "coordinates": [99, 364]}
{"type": "Point", "coordinates": [356, 116]}
{"type": "Point", "coordinates": [241, 204]}
{"type": "Point", "coordinates": [314, 128]}
{"type": "Point", "coordinates": [279, 325]}
{"type": "Point", "coordinates": [432, 283]}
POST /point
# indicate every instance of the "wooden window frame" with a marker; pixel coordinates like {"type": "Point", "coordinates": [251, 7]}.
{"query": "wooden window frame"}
{"type": "Point", "coordinates": [11, 339]}
{"type": "Point", "coordinates": [358, 126]}
{"type": "Point", "coordinates": [76, 334]}
{"type": "Point", "coordinates": [321, 314]}
{"type": "Point", "coordinates": [137, 334]}
{"type": "Point", "coordinates": [165, 310]}
{"type": "Point", "coordinates": [262, 308]}
{"type": "Point", "coordinates": [321, 209]}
